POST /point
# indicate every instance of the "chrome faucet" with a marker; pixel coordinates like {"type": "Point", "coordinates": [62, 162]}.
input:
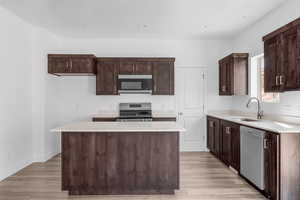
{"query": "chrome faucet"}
{"type": "Point", "coordinates": [260, 113]}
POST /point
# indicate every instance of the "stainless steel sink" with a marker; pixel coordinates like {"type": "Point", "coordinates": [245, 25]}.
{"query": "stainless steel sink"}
{"type": "Point", "coordinates": [249, 120]}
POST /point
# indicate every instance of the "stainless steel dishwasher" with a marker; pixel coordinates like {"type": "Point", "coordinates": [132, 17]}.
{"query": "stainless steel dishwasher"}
{"type": "Point", "coordinates": [252, 155]}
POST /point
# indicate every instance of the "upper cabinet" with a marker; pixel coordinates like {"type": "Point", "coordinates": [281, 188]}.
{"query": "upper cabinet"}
{"type": "Point", "coordinates": [107, 76]}
{"type": "Point", "coordinates": [71, 64]}
{"type": "Point", "coordinates": [163, 77]}
{"type": "Point", "coordinates": [161, 69]}
{"type": "Point", "coordinates": [233, 74]}
{"type": "Point", "coordinates": [135, 66]}
{"type": "Point", "coordinates": [282, 58]}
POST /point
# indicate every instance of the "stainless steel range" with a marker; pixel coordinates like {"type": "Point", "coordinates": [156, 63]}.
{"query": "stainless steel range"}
{"type": "Point", "coordinates": [135, 112]}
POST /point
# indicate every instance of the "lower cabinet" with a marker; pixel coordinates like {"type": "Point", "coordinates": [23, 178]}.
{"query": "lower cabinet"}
{"type": "Point", "coordinates": [230, 151]}
{"type": "Point", "coordinates": [213, 136]}
{"type": "Point", "coordinates": [281, 157]}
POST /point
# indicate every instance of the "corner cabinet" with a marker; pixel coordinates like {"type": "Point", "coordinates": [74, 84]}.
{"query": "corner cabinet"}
{"type": "Point", "coordinates": [233, 74]}
{"type": "Point", "coordinates": [71, 64]}
{"type": "Point", "coordinates": [282, 58]}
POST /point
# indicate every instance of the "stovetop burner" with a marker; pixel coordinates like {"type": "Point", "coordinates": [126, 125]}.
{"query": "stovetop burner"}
{"type": "Point", "coordinates": [135, 112]}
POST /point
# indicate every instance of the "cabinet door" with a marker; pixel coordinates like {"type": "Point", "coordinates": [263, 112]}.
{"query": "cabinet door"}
{"type": "Point", "coordinates": [222, 77]}
{"type": "Point", "coordinates": [58, 64]}
{"type": "Point", "coordinates": [127, 67]}
{"type": "Point", "coordinates": [226, 142]}
{"type": "Point", "coordinates": [271, 59]}
{"type": "Point", "coordinates": [143, 68]}
{"type": "Point", "coordinates": [107, 72]}
{"type": "Point", "coordinates": [210, 134]}
{"type": "Point", "coordinates": [163, 78]}
{"type": "Point", "coordinates": [291, 76]}
{"type": "Point", "coordinates": [225, 70]}
{"type": "Point", "coordinates": [213, 135]}
{"type": "Point", "coordinates": [81, 65]}
{"type": "Point", "coordinates": [235, 146]}
{"type": "Point", "coordinates": [271, 165]}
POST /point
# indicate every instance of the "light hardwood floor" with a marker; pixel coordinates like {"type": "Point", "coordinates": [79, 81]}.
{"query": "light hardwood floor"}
{"type": "Point", "coordinates": [203, 177]}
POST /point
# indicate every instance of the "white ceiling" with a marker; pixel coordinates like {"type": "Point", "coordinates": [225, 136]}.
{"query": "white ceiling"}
{"type": "Point", "coordinates": [181, 19]}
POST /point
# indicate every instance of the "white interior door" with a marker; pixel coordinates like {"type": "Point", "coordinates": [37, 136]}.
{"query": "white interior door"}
{"type": "Point", "coordinates": [190, 94]}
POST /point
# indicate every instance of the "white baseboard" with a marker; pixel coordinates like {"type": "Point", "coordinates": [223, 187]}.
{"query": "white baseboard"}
{"type": "Point", "coordinates": [17, 167]}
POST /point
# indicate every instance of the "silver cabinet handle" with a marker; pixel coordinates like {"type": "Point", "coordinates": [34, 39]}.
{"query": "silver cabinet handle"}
{"type": "Point", "coordinates": [281, 80]}
{"type": "Point", "coordinates": [265, 144]}
{"type": "Point", "coordinates": [277, 80]}
{"type": "Point", "coordinates": [211, 124]}
{"type": "Point", "coordinates": [228, 130]}
{"type": "Point", "coordinates": [223, 88]}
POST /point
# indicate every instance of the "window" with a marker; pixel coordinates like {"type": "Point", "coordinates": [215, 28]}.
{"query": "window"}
{"type": "Point", "coordinates": [257, 81]}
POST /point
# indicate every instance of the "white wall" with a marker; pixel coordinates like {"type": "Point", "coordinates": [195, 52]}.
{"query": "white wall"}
{"type": "Point", "coordinates": [251, 41]}
{"type": "Point", "coordinates": [45, 110]}
{"type": "Point", "coordinates": [15, 86]}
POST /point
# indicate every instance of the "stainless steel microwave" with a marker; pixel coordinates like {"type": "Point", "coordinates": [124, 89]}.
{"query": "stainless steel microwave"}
{"type": "Point", "coordinates": [135, 84]}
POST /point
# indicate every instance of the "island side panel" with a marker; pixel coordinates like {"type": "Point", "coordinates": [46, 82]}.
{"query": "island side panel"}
{"type": "Point", "coordinates": [120, 163]}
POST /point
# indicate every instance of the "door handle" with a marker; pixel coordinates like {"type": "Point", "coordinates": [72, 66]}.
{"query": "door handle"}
{"type": "Point", "coordinates": [180, 113]}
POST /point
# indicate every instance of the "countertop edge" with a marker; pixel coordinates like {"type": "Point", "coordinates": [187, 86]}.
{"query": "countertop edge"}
{"type": "Point", "coordinates": [251, 125]}
{"type": "Point", "coordinates": [118, 131]}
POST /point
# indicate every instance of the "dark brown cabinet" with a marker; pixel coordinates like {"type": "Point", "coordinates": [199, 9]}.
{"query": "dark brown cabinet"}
{"type": "Point", "coordinates": [60, 64]}
{"type": "Point", "coordinates": [235, 146]}
{"type": "Point", "coordinates": [223, 140]}
{"type": "Point", "coordinates": [213, 136]}
{"type": "Point", "coordinates": [271, 153]}
{"type": "Point", "coordinates": [291, 59]}
{"type": "Point", "coordinates": [282, 58]}
{"type": "Point", "coordinates": [281, 157]}
{"type": "Point", "coordinates": [108, 69]}
{"type": "Point", "coordinates": [143, 68]}
{"type": "Point", "coordinates": [273, 65]}
{"type": "Point", "coordinates": [226, 142]}
{"type": "Point", "coordinates": [233, 74]}
{"type": "Point", "coordinates": [104, 119]}
{"type": "Point", "coordinates": [164, 119]}
{"type": "Point", "coordinates": [107, 76]}
{"type": "Point", "coordinates": [135, 66]}
{"type": "Point", "coordinates": [127, 67]}
{"type": "Point", "coordinates": [163, 77]}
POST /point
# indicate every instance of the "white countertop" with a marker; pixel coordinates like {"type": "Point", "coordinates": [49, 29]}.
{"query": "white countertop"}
{"type": "Point", "coordinates": [268, 125]}
{"type": "Point", "coordinates": [121, 127]}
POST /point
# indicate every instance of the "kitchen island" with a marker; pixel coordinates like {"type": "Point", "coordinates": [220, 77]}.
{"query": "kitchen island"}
{"type": "Point", "coordinates": [120, 157]}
